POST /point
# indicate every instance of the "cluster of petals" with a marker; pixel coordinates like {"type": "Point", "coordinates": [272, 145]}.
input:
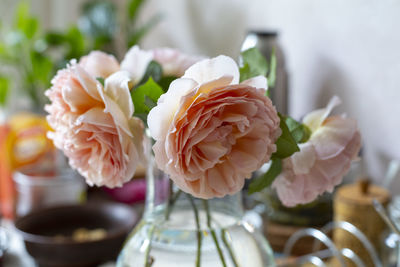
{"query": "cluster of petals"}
{"type": "Point", "coordinates": [93, 122]}
{"type": "Point", "coordinates": [322, 161]}
{"type": "Point", "coordinates": [211, 131]}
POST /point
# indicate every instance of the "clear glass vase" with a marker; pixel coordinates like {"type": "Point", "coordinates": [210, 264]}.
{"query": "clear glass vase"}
{"type": "Point", "coordinates": [180, 230]}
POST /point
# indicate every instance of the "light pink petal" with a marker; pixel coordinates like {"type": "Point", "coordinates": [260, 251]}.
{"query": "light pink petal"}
{"type": "Point", "coordinates": [303, 160]}
{"type": "Point", "coordinates": [99, 64]}
{"type": "Point", "coordinates": [212, 69]}
{"type": "Point", "coordinates": [161, 116]}
{"type": "Point", "coordinates": [314, 119]}
{"type": "Point", "coordinates": [333, 137]}
{"type": "Point", "coordinates": [117, 88]}
{"type": "Point", "coordinates": [257, 82]}
{"type": "Point", "coordinates": [88, 83]}
{"type": "Point", "coordinates": [136, 62]}
{"type": "Point", "coordinates": [173, 62]}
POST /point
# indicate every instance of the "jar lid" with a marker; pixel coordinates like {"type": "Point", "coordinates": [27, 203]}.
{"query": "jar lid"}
{"type": "Point", "coordinates": [362, 193]}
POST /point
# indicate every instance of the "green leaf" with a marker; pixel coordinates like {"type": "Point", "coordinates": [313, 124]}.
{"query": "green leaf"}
{"type": "Point", "coordinates": [164, 82]}
{"type": "Point", "coordinates": [55, 38]}
{"type": "Point", "coordinates": [99, 19]}
{"type": "Point", "coordinates": [22, 13]}
{"type": "Point", "coordinates": [25, 22]}
{"type": "Point", "coordinates": [254, 64]}
{"type": "Point", "coordinates": [286, 144]}
{"type": "Point", "coordinates": [4, 89]}
{"type": "Point", "coordinates": [100, 80]}
{"type": "Point", "coordinates": [133, 8]}
{"type": "Point", "coordinates": [76, 43]}
{"type": "Point", "coordinates": [267, 178]}
{"type": "Point", "coordinates": [150, 90]}
{"type": "Point", "coordinates": [245, 72]}
{"type": "Point", "coordinates": [153, 70]}
{"type": "Point", "coordinates": [138, 34]}
{"type": "Point", "coordinates": [300, 132]}
{"type": "Point", "coordinates": [42, 68]}
{"type": "Point", "coordinates": [272, 69]}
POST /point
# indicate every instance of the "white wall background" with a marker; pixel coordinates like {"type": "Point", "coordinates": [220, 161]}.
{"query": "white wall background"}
{"type": "Point", "coordinates": [346, 47]}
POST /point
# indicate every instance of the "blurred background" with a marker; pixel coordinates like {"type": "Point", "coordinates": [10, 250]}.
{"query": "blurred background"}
{"type": "Point", "coordinates": [326, 48]}
{"type": "Point", "coordinates": [347, 48]}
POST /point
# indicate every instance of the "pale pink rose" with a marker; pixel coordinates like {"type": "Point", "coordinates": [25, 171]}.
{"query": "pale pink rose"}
{"type": "Point", "coordinates": [93, 125]}
{"type": "Point", "coordinates": [212, 132]}
{"type": "Point", "coordinates": [322, 161]}
{"type": "Point", "coordinates": [99, 64]}
{"type": "Point", "coordinates": [173, 62]}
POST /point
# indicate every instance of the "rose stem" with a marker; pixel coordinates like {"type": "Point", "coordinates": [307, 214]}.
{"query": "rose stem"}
{"type": "Point", "coordinates": [231, 254]}
{"type": "Point", "coordinates": [147, 259]}
{"type": "Point", "coordinates": [171, 200]}
{"type": "Point", "coordinates": [214, 236]}
{"type": "Point", "coordinates": [199, 235]}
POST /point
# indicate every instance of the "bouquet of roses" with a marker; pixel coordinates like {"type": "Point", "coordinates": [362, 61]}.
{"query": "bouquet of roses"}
{"type": "Point", "coordinates": [212, 122]}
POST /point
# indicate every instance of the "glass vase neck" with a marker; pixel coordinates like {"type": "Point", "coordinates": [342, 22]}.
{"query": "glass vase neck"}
{"type": "Point", "coordinates": [162, 197]}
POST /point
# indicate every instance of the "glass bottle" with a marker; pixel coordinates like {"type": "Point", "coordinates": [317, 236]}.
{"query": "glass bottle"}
{"type": "Point", "coordinates": [168, 234]}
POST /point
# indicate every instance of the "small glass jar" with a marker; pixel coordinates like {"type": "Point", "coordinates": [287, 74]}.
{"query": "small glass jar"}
{"type": "Point", "coordinates": [43, 186]}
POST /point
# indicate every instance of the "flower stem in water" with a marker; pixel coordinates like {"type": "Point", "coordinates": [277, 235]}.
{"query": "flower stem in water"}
{"type": "Point", "coordinates": [148, 260]}
{"type": "Point", "coordinates": [228, 246]}
{"type": "Point", "coordinates": [199, 234]}
{"type": "Point", "coordinates": [171, 200]}
{"type": "Point", "coordinates": [213, 235]}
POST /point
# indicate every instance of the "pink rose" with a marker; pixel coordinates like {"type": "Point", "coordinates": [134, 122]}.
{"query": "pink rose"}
{"type": "Point", "coordinates": [212, 132]}
{"type": "Point", "coordinates": [322, 161]}
{"type": "Point", "coordinates": [93, 125]}
{"type": "Point", "coordinates": [173, 62]}
{"type": "Point", "coordinates": [99, 64]}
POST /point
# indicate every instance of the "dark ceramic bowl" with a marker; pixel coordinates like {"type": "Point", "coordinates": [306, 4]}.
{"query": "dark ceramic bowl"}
{"type": "Point", "coordinates": [40, 227]}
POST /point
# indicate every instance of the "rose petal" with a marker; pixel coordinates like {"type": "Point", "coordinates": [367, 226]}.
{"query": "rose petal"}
{"type": "Point", "coordinates": [117, 88]}
{"type": "Point", "coordinates": [161, 116]}
{"type": "Point", "coordinates": [314, 119]}
{"type": "Point", "coordinates": [99, 64]}
{"type": "Point", "coordinates": [212, 69]}
{"type": "Point", "coordinates": [136, 62]}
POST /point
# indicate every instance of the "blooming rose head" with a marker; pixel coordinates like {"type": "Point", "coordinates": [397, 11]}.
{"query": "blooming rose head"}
{"type": "Point", "coordinates": [322, 161]}
{"type": "Point", "coordinates": [211, 131]}
{"type": "Point", "coordinates": [93, 124]}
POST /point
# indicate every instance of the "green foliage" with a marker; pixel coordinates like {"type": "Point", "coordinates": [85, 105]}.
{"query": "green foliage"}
{"type": "Point", "coordinates": [99, 22]}
{"type": "Point", "coordinates": [133, 8]}
{"type": "Point", "coordinates": [145, 96]}
{"type": "Point", "coordinates": [4, 88]}
{"type": "Point", "coordinates": [293, 133]}
{"type": "Point", "coordinates": [24, 22]}
{"type": "Point", "coordinates": [153, 70]}
{"type": "Point", "coordinates": [300, 132]}
{"type": "Point", "coordinates": [272, 68]}
{"type": "Point", "coordinates": [286, 144]}
{"type": "Point", "coordinates": [164, 82]}
{"type": "Point", "coordinates": [254, 64]}
{"type": "Point", "coordinates": [36, 55]}
{"type": "Point", "coordinates": [267, 178]}
{"type": "Point", "coordinates": [22, 50]}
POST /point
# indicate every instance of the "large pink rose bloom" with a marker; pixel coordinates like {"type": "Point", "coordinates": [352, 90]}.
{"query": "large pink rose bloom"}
{"type": "Point", "coordinates": [93, 124]}
{"type": "Point", "coordinates": [212, 132]}
{"type": "Point", "coordinates": [322, 161]}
